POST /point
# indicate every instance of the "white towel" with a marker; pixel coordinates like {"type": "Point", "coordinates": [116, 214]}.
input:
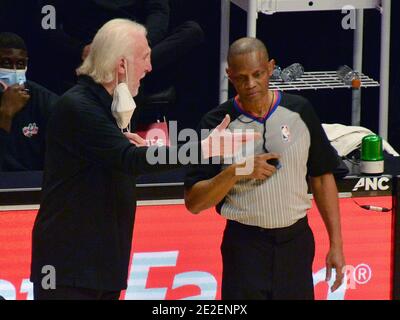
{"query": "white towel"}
{"type": "Point", "coordinates": [345, 139]}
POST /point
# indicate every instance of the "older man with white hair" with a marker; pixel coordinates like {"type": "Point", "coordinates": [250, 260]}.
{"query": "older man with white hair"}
{"type": "Point", "coordinates": [82, 235]}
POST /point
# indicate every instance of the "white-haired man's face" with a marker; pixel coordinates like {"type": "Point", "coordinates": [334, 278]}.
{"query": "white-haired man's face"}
{"type": "Point", "coordinates": [139, 64]}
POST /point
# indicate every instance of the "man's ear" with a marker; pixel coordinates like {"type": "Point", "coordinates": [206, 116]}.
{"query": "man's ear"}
{"type": "Point", "coordinates": [121, 70]}
{"type": "Point", "coordinates": [228, 73]}
{"type": "Point", "coordinates": [271, 66]}
{"type": "Point", "coordinates": [121, 66]}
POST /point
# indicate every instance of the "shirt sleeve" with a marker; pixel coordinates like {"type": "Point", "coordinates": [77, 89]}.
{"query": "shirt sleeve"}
{"type": "Point", "coordinates": [48, 103]}
{"type": "Point", "coordinates": [322, 157]}
{"type": "Point", "coordinates": [44, 98]}
{"type": "Point", "coordinates": [97, 139]}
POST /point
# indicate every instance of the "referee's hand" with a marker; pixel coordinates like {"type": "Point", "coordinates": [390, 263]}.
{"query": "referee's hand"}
{"type": "Point", "coordinates": [257, 167]}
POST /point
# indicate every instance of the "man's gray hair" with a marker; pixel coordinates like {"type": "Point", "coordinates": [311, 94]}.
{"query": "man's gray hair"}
{"type": "Point", "coordinates": [114, 40]}
{"type": "Point", "coordinates": [246, 45]}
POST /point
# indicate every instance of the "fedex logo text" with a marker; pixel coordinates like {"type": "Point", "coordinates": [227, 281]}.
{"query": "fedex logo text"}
{"type": "Point", "coordinates": [143, 262]}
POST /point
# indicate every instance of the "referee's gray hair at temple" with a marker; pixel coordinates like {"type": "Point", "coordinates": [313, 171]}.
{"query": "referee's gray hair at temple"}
{"type": "Point", "coordinates": [114, 40]}
{"type": "Point", "coordinates": [246, 45]}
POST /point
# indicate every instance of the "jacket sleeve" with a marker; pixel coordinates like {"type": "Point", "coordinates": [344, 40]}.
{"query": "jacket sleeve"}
{"type": "Point", "coordinates": [97, 139]}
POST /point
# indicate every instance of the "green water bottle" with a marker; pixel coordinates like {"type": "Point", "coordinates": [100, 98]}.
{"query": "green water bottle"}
{"type": "Point", "coordinates": [372, 155]}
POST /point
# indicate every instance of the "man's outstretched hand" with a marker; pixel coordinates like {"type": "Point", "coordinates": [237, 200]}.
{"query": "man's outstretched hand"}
{"type": "Point", "coordinates": [223, 142]}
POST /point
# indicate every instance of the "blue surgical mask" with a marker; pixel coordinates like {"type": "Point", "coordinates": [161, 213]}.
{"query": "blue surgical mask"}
{"type": "Point", "coordinates": [13, 76]}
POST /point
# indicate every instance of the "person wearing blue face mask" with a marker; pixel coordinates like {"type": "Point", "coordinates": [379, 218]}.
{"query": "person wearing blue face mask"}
{"type": "Point", "coordinates": [10, 77]}
{"type": "Point", "coordinates": [24, 109]}
{"type": "Point", "coordinates": [12, 66]}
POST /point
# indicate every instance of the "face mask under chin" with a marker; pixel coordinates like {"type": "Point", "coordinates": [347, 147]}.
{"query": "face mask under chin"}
{"type": "Point", "coordinates": [123, 105]}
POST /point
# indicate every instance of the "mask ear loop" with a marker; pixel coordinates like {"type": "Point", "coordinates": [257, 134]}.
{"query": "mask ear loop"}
{"type": "Point", "coordinates": [115, 89]}
{"type": "Point", "coordinates": [116, 82]}
{"type": "Point", "coordinates": [128, 128]}
{"type": "Point", "coordinates": [126, 72]}
{"type": "Point", "coordinates": [127, 84]}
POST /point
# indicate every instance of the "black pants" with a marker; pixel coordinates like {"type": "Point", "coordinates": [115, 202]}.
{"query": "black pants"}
{"type": "Point", "coordinates": [170, 56]}
{"type": "Point", "coordinates": [71, 293]}
{"type": "Point", "coordinates": [273, 264]}
{"type": "Point", "coordinates": [172, 61]}
{"type": "Point", "coordinates": [176, 45]}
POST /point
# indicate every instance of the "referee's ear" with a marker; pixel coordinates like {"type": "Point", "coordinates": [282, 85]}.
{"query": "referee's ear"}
{"type": "Point", "coordinates": [271, 67]}
{"type": "Point", "coordinates": [228, 73]}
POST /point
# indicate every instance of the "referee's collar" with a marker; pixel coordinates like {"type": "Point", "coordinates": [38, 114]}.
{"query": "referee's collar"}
{"type": "Point", "coordinates": [275, 104]}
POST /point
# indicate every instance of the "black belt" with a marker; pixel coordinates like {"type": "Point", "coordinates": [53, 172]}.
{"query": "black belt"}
{"type": "Point", "coordinates": [275, 234]}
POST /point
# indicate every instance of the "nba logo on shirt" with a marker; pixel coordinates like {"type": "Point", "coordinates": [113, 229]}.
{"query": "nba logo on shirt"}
{"type": "Point", "coordinates": [31, 130]}
{"type": "Point", "coordinates": [285, 133]}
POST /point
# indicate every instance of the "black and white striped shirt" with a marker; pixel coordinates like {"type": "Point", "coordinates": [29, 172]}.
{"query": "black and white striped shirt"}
{"type": "Point", "coordinates": [291, 129]}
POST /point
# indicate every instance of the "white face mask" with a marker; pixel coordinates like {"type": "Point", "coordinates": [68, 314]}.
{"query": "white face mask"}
{"type": "Point", "coordinates": [123, 105]}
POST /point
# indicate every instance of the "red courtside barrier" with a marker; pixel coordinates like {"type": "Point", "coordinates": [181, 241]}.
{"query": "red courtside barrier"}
{"type": "Point", "coordinates": [176, 254]}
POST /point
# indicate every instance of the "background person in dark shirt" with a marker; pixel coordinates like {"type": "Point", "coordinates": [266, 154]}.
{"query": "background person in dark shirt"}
{"type": "Point", "coordinates": [24, 109]}
{"type": "Point", "coordinates": [78, 21]}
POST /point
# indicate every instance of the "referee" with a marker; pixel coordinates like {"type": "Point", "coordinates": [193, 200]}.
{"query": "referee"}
{"type": "Point", "coordinates": [268, 247]}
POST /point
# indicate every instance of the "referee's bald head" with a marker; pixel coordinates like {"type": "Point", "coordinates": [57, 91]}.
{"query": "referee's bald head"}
{"type": "Point", "coordinates": [246, 45]}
